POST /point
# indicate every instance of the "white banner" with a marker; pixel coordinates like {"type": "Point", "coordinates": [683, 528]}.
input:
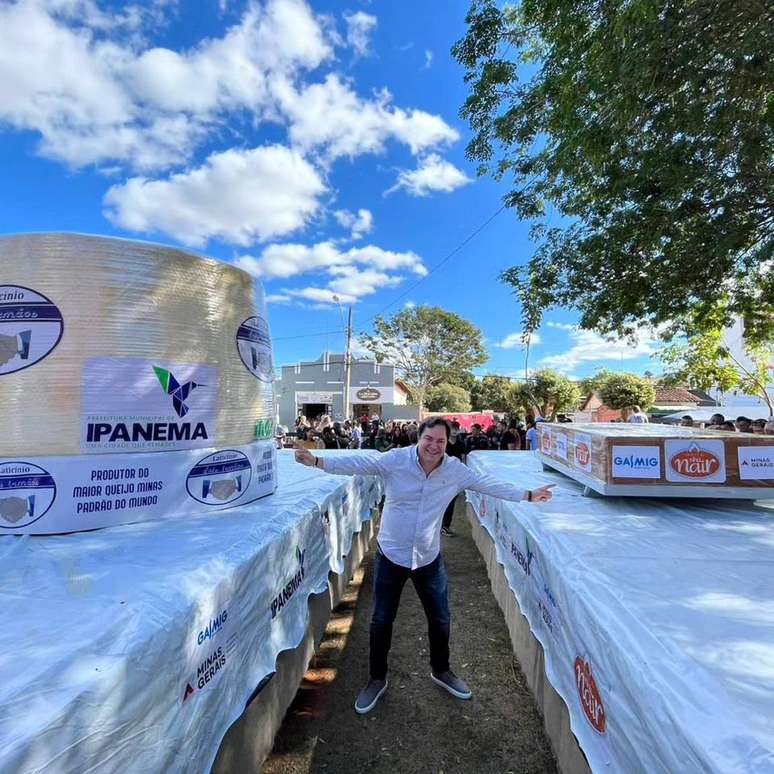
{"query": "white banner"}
{"type": "Point", "coordinates": [756, 462]}
{"type": "Point", "coordinates": [143, 405]}
{"type": "Point", "coordinates": [636, 462]}
{"type": "Point", "coordinates": [48, 495]}
{"type": "Point", "coordinates": [698, 462]}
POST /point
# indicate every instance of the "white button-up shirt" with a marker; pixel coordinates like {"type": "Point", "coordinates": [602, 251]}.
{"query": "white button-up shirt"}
{"type": "Point", "coordinates": [410, 533]}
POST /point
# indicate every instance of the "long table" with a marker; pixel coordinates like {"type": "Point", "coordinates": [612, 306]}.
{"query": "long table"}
{"type": "Point", "coordinates": [134, 648]}
{"type": "Point", "coordinates": [656, 619]}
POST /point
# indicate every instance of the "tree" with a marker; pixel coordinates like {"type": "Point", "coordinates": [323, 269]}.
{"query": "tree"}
{"type": "Point", "coordinates": [448, 397]}
{"type": "Point", "coordinates": [620, 391]}
{"type": "Point", "coordinates": [597, 381]}
{"type": "Point", "coordinates": [704, 361]}
{"type": "Point", "coordinates": [492, 393]}
{"type": "Point", "coordinates": [649, 128]}
{"type": "Point", "coordinates": [549, 393]}
{"type": "Point", "coordinates": [428, 346]}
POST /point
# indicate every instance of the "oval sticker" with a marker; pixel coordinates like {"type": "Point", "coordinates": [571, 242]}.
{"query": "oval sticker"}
{"type": "Point", "coordinates": [695, 463]}
{"type": "Point", "coordinates": [254, 346]}
{"type": "Point", "coordinates": [220, 478]}
{"type": "Point", "coordinates": [27, 491]}
{"type": "Point", "coordinates": [31, 326]}
{"type": "Point", "coordinates": [589, 696]}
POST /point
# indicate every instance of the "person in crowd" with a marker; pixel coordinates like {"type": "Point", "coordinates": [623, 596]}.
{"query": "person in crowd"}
{"type": "Point", "coordinates": [637, 416]}
{"type": "Point", "coordinates": [531, 434]}
{"type": "Point", "coordinates": [522, 430]}
{"type": "Point", "coordinates": [302, 427]}
{"type": "Point", "coordinates": [476, 441]}
{"type": "Point", "coordinates": [419, 482]}
{"type": "Point", "coordinates": [728, 426]}
{"type": "Point", "coordinates": [743, 425]}
{"type": "Point", "coordinates": [510, 440]}
{"type": "Point", "coordinates": [412, 429]}
{"type": "Point", "coordinates": [716, 420]}
{"type": "Point", "coordinates": [330, 439]}
{"type": "Point", "coordinates": [455, 447]}
{"type": "Point", "coordinates": [356, 436]}
{"type": "Point", "coordinates": [686, 420]}
{"type": "Point", "coordinates": [403, 439]}
{"type": "Point", "coordinates": [759, 426]}
{"type": "Point", "coordinates": [383, 442]}
{"type": "Point", "coordinates": [768, 428]}
{"type": "Point", "coordinates": [364, 423]}
{"type": "Point", "coordinates": [493, 433]}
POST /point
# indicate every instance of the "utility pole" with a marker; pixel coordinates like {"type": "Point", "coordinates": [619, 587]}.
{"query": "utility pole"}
{"type": "Point", "coordinates": [348, 366]}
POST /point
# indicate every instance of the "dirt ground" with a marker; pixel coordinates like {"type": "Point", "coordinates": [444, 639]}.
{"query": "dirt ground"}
{"type": "Point", "coordinates": [416, 727]}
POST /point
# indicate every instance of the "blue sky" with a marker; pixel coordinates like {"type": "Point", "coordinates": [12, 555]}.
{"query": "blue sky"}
{"type": "Point", "coordinates": [316, 144]}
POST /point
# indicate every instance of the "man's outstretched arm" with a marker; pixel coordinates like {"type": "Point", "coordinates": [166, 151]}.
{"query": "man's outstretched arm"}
{"type": "Point", "coordinates": [495, 487]}
{"type": "Point", "coordinates": [343, 465]}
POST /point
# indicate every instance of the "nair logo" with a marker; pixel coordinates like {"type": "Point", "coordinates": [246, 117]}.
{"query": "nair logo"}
{"type": "Point", "coordinates": [179, 392]}
{"type": "Point", "coordinates": [695, 462]}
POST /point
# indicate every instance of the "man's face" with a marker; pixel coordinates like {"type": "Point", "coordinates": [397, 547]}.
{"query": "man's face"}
{"type": "Point", "coordinates": [432, 443]}
{"type": "Point", "coordinates": [476, 430]}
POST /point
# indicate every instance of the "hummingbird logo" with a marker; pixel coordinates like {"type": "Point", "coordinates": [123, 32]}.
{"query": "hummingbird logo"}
{"type": "Point", "coordinates": [179, 392]}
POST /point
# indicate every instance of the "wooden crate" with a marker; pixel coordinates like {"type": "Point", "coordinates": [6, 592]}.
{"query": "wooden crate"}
{"type": "Point", "coordinates": [660, 460]}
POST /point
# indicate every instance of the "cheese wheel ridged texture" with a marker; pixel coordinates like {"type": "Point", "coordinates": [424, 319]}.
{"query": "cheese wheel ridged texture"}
{"type": "Point", "coordinates": [110, 345]}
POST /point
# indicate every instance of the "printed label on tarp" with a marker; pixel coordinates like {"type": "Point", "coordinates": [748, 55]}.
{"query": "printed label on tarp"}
{"type": "Point", "coordinates": [756, 462]}
{"type": "Point", "coordinates": [636, 462]}
{"type": "Point", "coordinates": [31, 326]}
{"type": "Point", "coordinates": [696, 462]}
{"type": "Point", "coordinates": [129, 404]}
{"type": "Point", "coordinates": [220, 478]}
{"type": "Point", "coordinates": [27, 492]}
{"type": "Point", "coordinates": [68, 494]}
{"type": "Point", "coordinates": [212, 651]}
{"type": "Point", "coordinates": [581, 455]}
{"type": "Point", "coordinates": [294, 583]}
{"type": "Point", "coordinates": [560, 444]}
{"type": "Point", "coordinates": [589, 695]}
{"type": "Point", "coordinates": [254, 345]}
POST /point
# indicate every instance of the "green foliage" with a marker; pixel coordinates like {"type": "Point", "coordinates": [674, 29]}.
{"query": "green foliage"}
{"type": "Point", "coordinates": [648, 128]}
{"type": "Point", "coordinates": [464, 379]}
{"type": "Point", "coordinates": [448, 397]}
{"type": "Point", "coordinates": [493, 393]}
{"type": "Point", "coordinates": [596, 382]}
{"type": "Point", "coordinates": [428, 346]}
{"type": "Point", "coordinates": [620, 391]}
{"type": "Point", "coordinates": [549, 393]}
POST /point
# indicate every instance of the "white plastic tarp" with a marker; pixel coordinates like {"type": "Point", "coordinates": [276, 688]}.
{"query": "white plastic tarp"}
{"type": "Point", "coordinates": [656, 618]}
{"type": "Point", "coordinates": [133, 649]}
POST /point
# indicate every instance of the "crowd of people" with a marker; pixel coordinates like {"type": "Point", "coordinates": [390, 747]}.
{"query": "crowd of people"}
{"type": "Point", "coordinates": [739, 425]}
{"type": "Point", "coordinates": [322, 432]}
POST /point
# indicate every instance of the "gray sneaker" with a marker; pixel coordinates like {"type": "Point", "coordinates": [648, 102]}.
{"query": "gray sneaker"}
{"type": "Point", "coordinates": [367, 698]}
{"type": "Point", "coordinates": [450, 682]}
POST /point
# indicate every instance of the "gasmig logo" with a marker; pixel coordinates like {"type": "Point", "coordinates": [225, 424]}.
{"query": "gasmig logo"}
{"type": "Point", "coordinates": [213, 627]}
{"type": "Point", "coordinates": [290, 588]}
{"type": "Point", "coordinates": [589, 696]}
{"type": "Point", "coordinates": [695, 462]}
{"type": "Point", "coordinates": [179, 392]}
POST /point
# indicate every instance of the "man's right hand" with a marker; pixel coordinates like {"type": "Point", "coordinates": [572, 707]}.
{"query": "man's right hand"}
{"type": "Point", "coordinates": [304, 456]}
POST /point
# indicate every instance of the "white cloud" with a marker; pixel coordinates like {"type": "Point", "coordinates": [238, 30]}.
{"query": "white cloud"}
{"type": "Point", "coordinates": [355, 282]}
{"type": "Point", "coordinates": [321, 295]}
{"type": "Point", "coordinates": [289, 260]}
{"type": "Point", "coordinates": [432, 174]}
{"type": "Point", "coordinates": [331, 118]}
{"type": "Point", "coordinates": [428, 59]}
{"type": "Point", "coordinates": [69, 72]}
{"type": "Point", "coordinates": [237, 196]}
{"type": "Point", "coordinates": [514, 341]}
{"type": "Point", "coordinates": [359, 223]}
{"type": "Point", "coordinates": [590, 347]}
{"type": "Point", "coordinates": [359, 28]}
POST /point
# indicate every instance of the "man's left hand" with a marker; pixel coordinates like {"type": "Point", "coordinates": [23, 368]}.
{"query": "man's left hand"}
{"type": "Point", "coordinates": [543, 493]}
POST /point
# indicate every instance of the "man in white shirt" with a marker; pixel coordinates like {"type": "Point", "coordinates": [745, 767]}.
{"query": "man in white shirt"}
{"type": "Point", "coordinates": [419, 483]}
{"type": "Point", "coordinates": [637, 417]}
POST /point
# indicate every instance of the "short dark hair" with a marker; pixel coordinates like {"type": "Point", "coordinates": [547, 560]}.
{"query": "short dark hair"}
{"type": "Point", "coordinates": [434, 422]}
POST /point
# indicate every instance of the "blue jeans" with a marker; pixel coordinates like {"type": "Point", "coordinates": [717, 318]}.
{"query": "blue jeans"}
{"type": "Point", "coordinates": [432, 586]}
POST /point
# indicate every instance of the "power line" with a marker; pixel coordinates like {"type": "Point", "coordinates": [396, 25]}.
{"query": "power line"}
{"type": "Point", "coordinates": [435, 268]}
